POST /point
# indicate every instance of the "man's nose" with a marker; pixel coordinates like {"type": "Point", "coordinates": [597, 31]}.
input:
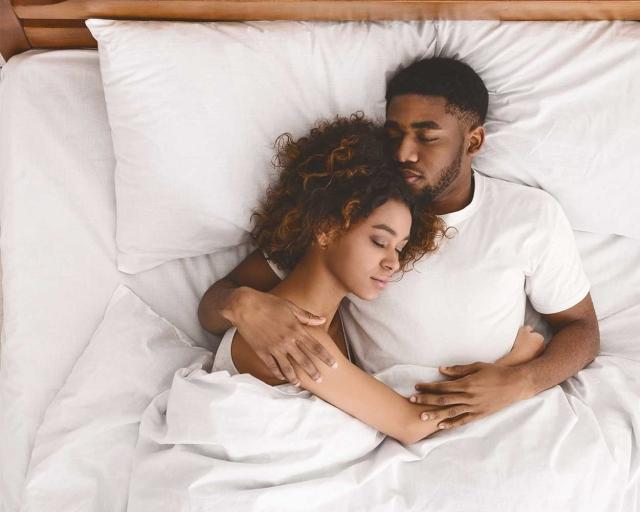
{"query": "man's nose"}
{"type": "Point", "coordinates": [407, 151]}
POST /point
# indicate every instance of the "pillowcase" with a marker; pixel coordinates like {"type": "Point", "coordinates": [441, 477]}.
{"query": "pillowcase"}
{"type": "Point", "coordinates": [563, 112]}
{"type": "Point", "coordinates": [195, 109]}
{"type": "Point", "coordinates": [83, 451]}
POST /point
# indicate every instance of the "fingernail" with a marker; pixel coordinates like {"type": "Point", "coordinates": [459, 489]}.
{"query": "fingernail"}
{"type": "Point", "coordinates": [442, 427]}
{"type": "Point", "coordinates": [412, 399]}
{"type": "Point", "coordinates": [296, 384]}
{"type": "Point", "coordinates": [334, 365]}
{"type": "Point", "coordinates": [424, 416]}
{"type": "Point", "coordinates": [319, 379]}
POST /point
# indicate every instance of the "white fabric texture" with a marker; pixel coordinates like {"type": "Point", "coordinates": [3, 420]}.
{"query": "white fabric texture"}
{"type": "Point", "coordinates": [466, 301]}
{"type": "Point", "coordinates": [84, 447]}
{"type": "Point", "coordinates": [57, 214]}
{"type": "Point", "coordinates": [195, 109]}
{"type": "Point", "coordinates": [221, 442]}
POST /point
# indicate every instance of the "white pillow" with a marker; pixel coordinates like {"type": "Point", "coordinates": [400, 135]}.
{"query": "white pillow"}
{"type": "Point", "coordinates": [195, 109]}
{"type": "Point", "coordinates": [563, 113]}
{"type": "Point", "coordinates": [84, 448]}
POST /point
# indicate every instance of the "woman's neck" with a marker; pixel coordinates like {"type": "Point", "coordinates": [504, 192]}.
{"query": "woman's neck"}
{"type": "Point", "coordinates": [312, 287]}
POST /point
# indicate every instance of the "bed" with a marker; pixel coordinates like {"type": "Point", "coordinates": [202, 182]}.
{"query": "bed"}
{"type": "Point", "coordinates": [58, 219]}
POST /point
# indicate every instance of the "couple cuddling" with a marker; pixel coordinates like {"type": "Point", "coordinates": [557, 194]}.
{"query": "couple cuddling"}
{"type": "Point", "coordinates": [380, 246]}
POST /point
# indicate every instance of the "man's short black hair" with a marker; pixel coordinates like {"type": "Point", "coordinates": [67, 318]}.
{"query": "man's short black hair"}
{"type": "Point", "coordinates": [452, 79]}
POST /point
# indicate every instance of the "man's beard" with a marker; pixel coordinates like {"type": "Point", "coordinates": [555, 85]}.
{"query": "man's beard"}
{"type": "Point", "coordinates": [447, 176]}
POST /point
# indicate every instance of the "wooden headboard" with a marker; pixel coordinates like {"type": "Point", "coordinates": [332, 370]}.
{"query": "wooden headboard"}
{"type": "Point", "coordinates": [26, 24]}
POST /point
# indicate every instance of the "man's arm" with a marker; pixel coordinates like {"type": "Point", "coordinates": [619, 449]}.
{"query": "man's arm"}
{"type": "Point", "coordinates": [273, 327]}
{"type": "Point", "coordinates": [486, 388]}
{"type": "Point", "coordinates": [575, 343]}
{"type": "Point", "coordinates": [223, 297]}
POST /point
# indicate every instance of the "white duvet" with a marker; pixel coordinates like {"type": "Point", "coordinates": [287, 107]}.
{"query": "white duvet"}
{"type": "Point", "coordinates": [211, 441]}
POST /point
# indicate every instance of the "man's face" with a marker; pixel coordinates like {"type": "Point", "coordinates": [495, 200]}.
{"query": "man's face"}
{"type": "Point", "coordinates": [428, 142]}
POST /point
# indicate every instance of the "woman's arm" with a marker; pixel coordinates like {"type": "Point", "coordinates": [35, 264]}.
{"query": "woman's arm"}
{"type": "Point", "coordinates": [363, 396]}
{"type": "Point", "coordinates": [350, 389]}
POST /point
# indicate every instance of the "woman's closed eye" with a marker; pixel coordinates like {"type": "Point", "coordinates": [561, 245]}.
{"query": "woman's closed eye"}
{"type": "Point", "coordinates": [383, 245]}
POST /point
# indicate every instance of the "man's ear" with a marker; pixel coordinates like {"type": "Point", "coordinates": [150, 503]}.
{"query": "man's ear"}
{"type": "Point", "coordinates": [476, 140]}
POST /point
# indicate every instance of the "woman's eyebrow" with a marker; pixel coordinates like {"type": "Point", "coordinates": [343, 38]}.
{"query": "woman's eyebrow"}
{"type": "Point", "coordinates": [387, 229]}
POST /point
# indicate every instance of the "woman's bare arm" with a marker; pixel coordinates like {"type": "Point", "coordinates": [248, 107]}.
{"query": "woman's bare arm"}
{"type": "Point", "coordinates": [363, 396]}
{"type": "Point", "coordinates": [350, 389]}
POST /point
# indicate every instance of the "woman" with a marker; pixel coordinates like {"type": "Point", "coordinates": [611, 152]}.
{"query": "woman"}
{"type": "Point", "coordinates": [341, 220]}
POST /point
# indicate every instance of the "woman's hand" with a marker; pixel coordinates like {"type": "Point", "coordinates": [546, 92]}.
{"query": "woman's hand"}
{"type": "Point", "coordinates": [275, 329]}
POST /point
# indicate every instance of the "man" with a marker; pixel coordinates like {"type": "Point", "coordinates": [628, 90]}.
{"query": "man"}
{"type": "Point", "coordinates": [464, 303]}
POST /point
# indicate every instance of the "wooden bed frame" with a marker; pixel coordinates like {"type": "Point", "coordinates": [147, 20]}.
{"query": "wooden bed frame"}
{"type": "Point", "coordinates": [26, 24]}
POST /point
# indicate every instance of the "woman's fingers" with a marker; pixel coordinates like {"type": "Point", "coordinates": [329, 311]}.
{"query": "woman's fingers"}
{"type": "Point", "coordinates": [440, 400]}
{"type": "Point", "coordinates": [458, 421]}
{"type": "Point", "coordinates": [445, 413]}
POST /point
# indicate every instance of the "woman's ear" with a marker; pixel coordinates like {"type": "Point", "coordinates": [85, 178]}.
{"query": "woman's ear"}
{"type": "Point", "coordinates": [325, 236]}
{"type": "Point", "coordinates": [323, 239]}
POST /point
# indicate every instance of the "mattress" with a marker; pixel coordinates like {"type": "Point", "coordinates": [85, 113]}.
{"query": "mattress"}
{"type": "Point", "coordinates": [57, 215]}
{"type": "Point", "coordinates": [57, 219]}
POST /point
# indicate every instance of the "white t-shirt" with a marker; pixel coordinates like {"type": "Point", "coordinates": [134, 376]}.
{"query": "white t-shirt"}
{"type": "Point", "coordinates": [466, 301]}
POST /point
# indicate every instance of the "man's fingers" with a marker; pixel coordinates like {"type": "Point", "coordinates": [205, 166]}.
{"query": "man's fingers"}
{"type": "Point", "coordinates": [306, 318]}
{"type": "Point", "coordinates": [458, 421]}
{"type": "Point", "coordinates": [440, 400]}
{"type": "Point", "coordinates": [452, 386]}
{"type": "Point", "coordinates": [270, 363]}
{"type": "Point", "coordinates": [299, 355]}
{"type": "Point", "coordinates": [287, 369]}
{"type": "Point", "coordinates": [460, 370]}
{"type": "Point", "coordinates": [445, 413]}
{"type": "Point", "coordinates": [317, 349]}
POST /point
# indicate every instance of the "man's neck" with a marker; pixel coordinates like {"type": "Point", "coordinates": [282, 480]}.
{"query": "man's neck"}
{"type": "Point", "coordinates": [457, 197]}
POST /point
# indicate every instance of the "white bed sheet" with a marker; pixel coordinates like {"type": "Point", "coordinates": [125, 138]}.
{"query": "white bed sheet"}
{"type": "Point", "coordinates": [57, 216]}
{"type": "Point", "coordinates": [58, 253]}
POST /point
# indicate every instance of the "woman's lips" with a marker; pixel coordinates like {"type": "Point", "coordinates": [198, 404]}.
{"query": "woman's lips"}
{"type": "Point", "coordinates": [381, 283]}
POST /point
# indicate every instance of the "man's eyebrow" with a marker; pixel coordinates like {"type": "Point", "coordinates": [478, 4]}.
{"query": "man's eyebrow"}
{"type": "Point", "coordinates": [429, 125]}
{"type": "Point", "coordinates": [388, 229]}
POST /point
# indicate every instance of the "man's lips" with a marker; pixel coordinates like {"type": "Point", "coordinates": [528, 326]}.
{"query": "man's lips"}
{"type": "Point", "coordinates": [410, 176]}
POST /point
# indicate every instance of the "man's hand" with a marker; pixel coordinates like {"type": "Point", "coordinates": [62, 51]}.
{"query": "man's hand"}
{"type": "Point", "coordinates": [274, 328]}
{"type": "Point", "coordinates": [478, 390]}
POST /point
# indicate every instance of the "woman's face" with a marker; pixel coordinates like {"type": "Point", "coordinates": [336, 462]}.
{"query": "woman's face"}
{"type": "Point", "coordinates": [365, 257]}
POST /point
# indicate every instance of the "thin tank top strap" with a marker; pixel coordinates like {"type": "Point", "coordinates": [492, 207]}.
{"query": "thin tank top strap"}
{"type": "Point", "coordinates": [344, 335]}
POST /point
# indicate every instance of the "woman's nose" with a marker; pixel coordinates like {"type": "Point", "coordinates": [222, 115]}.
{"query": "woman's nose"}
{"type": "Point", "coordinates": [392, 262]}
